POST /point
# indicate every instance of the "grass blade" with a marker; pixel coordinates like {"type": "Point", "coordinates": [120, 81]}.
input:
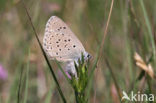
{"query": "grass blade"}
{"type": "Point", "coordinates": [148, 28]}
{"type": "Point", "coordinates": [51, 70]}
{"type": "Point", "coordinates": [49, 95]}
{"type": "Point", "coordinates": [100, 49]}
{"type": "Point", "coordinates": [14, 85]}
{"type": "Point", "coordinates": [19, 87]}
{"type": "Point", "coordinates": [27, 80]}
{"type": "Point", "coordinates": [114, 78]}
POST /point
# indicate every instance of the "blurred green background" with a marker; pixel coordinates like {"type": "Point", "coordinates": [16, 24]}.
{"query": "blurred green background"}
{"type": "Point", "coordinates": [130, 30]}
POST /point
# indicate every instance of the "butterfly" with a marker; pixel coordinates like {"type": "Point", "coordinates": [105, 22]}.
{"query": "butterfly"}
{"type": "Point", "coordinates": [60, 43]}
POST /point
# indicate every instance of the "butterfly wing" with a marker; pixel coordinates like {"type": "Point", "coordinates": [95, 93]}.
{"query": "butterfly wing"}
{"type": "Point", "coordinates": [59, 41]}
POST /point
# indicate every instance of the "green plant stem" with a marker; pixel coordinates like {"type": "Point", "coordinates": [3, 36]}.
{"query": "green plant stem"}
{"type": "Point", "coordinates": [80, 97]}
{"type": "Point", "coordinates": [76, 97]}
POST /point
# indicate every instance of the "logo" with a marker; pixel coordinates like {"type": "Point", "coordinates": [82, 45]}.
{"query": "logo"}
{"type": "Point", "coordinates": [137, 96]}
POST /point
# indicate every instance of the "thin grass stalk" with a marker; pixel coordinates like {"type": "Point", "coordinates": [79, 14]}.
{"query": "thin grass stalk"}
{"type": "Point", "coordinates": [27, 80]}
{"type": "Point", "coordinates": [114, 79]}
{"type": "Point", "coordinates": [149, 84]}
{"type": "Point", "coordinates": [102, 44]}
{"type": "Point", "coordinates": [51, 70]}
{"type": "Point", "coordinates": [15, 80]}
{"type": "Point", "coordinates": [49, 94]}
{"type": "Point", "coordinates": [149, 29]}
{"type": "Point", "coordinates": [99, 53]}
{"type": "Point", "coordinates": [0, 99]}
{"type": "Point", "coordinates": [106, 29]}
{"type": "Point", "coordinates": [19, 87]}
{"type": "Point", "coordinates": [100, 48]}
{"type": "Point", "coordinates": [128, 48]}
{"type": "Point", "coordinates": [89, 89]}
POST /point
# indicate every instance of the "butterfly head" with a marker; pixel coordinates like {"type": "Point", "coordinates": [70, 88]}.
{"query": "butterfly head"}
{"type": "Point", "coordinates": [87, 56]}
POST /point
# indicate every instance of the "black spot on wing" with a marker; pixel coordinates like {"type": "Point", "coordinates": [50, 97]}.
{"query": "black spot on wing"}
{"type": "Point", "coordinates": [74, 46]}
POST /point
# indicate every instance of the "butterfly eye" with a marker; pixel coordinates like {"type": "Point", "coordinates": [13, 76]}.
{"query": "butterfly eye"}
{"type": "Point", "coordinates": [89, 56]}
